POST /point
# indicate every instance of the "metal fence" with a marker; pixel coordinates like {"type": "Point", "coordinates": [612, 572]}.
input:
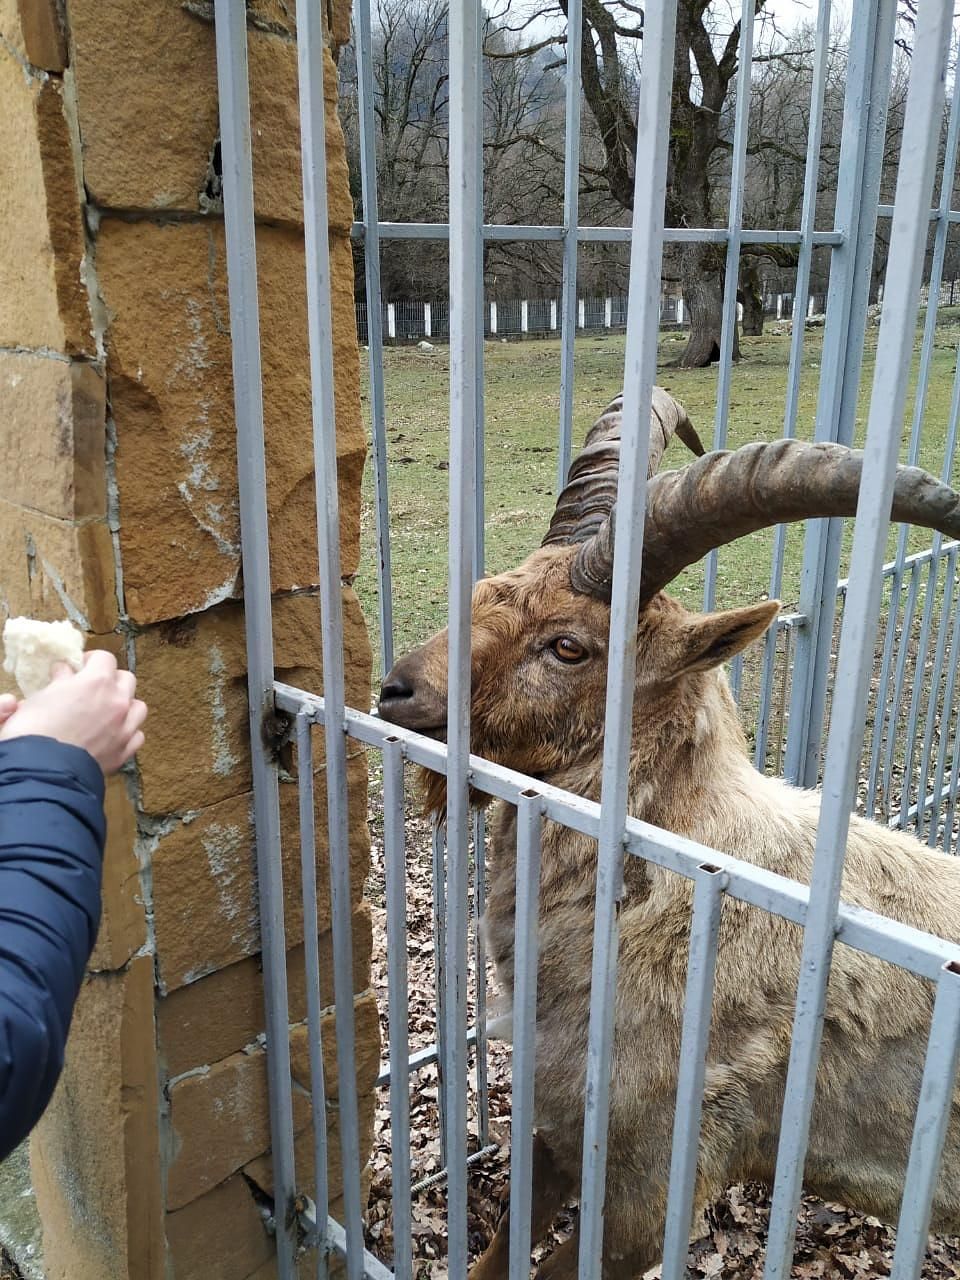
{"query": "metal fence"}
{"type": "Point", "coordinates": [418, 321]}
{"type": "Point", "coordinates": [821, 657]}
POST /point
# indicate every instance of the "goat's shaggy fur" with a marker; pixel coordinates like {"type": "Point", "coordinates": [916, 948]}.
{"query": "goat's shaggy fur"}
{"type": "Point", "coordinates": [689, 773]}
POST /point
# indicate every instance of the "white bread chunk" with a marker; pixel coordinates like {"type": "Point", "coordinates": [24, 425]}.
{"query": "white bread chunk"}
{"type": "Point", "coordinates": [33, 648]}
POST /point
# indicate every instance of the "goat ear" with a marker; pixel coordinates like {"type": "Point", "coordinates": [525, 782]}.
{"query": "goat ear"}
{"type": "Point", "coordinates": [712, 638]}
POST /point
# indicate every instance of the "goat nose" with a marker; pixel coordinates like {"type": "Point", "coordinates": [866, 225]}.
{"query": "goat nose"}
{"type": "Point", "coordinates": [395, 688]}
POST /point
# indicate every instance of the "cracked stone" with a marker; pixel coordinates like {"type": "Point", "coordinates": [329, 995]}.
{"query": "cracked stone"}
{"type": "Point", "coordinates": [171, 394]}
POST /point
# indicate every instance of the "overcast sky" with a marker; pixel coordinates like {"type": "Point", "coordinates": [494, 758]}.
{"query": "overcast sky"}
{"type": "Point", "coordinates": [788, 13]}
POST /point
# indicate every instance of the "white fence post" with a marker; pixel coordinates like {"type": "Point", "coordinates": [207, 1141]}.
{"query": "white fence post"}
{"type": "Point", "coordinates": [391, 320]}
{"type": "Point", "coordinates": [553, 314]}
{"type": "Point", "coordinates": [524, 316]}
{"type": "Point", "coordinates": [740, 311]}
{"type": "Point", "coordinates": [493, 317]}
{"type": "Point", "coordinates": [679, 311]}
{"type": "Point", "coordinates": [779, 306]}
{"type": "Point", "coordinates": [810, 310]}
{"type": "Point", "coordinates": [581, 314]}
{"type": "Point", "coordinates": [608, 313]}
{"type": "Point", "coordinates": [427, 321]}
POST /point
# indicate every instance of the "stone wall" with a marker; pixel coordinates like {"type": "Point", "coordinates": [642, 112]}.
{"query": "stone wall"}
{"type": "Point", "coordinates": [119, 509]}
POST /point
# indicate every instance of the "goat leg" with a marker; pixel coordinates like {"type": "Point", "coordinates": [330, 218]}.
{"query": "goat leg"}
{"type": "Point", "coordinates": [563, 1263]}
{"type": "Point", "coordinates": [551, 1189]}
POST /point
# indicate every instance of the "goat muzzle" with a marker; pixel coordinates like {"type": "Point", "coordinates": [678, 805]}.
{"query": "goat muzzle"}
{"type": "Point", "coordinates": [410, 700]}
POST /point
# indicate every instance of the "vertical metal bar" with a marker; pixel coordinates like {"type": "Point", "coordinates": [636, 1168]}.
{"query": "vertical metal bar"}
{"type": "Point", "coordinates": [479, 551]}
{"type": "Point", "coordinates": [640, 367]}
{"type": "Point", "coordinates": [571, 206]}
{"type": "Point", "coordinates": [363, 46]}
{"type": "Point", "coordinates": [466, 139]}
{"type": "Point", "coordinates": [311, 951]}
{"type": "Point", "coordinates": [939, 658]}
{"type": "Point", "coordinates": [310, 51]}
{"type": "Point", "coordinates": [936, 273]}
{"type": "Point", "coordinates": [479, 537]}
{"type": "Point", "coordinates": [926, 359]}
{"type": "Point", "coordinates": [945, 721]}
{"type": "Point", "coordinates": [480, 977]}
{"type": "Point", "coordinates": [782, 710]}
{"type": "Point", "coordinates": [952, 794]}
{"type": "Point", "coordinates": [904, 654]}
{"type": "Point", "coordinates": [728, 329]}
{"type": "Point", "coordinates": [394, 859]}
{"type": "Point", "coordinates": [808, 216]}
{"type": "Point", "coordinates": [920, 683]}
{"type": "Point", "coordinates": [238, 212]}
{"type": "Point", "coordinates": [946, 474]}
{"type": "Point", "coordinates": [913, 455]}
{"type": "Point", "coordinates": [861, 160]}
{"type": "Point", "coordinates": [907, 244]}
{"type": "Point", "coordinates": [526, 956]}
{"type": "Point", "coordinates": [438, 853]}
{"type": "Point", "coordinates": [685, 1148]}
{"type": "Point", "coordinates": [736, 677]}
{"type": "Point", "coordinates": [885, 713]}
{"type": "Point", "coordinates": [930, 1128]}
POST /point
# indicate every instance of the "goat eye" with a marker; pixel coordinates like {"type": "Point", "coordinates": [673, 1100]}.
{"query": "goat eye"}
{"type": "Point", "coordinates": [568, 649]}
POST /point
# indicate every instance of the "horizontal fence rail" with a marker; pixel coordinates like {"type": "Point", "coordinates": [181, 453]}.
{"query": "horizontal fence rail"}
{"type": "Point", "coordinates": [888, 940]}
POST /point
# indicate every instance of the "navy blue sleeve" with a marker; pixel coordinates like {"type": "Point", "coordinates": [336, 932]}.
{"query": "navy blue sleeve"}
{"type": "Point", "coordinates": [52, 833]}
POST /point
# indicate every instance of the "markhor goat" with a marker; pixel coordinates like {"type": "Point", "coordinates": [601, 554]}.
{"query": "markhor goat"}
{"type": "Point", "coordinates": [539, 665]}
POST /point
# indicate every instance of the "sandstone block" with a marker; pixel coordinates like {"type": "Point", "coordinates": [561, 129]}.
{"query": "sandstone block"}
{"type": "Point", "coordinates": [207, 1020]}
{"type": "Point", "coordinates": [172, 401]}
{"type": "Point", "coordinates": [192, 674]}
{"type": "Point", "coordinates": [260, 1170]}
{"type": "Point", "coordinates": [148, 144]}
{"type": "Point", "coordinates": [366, 1032]}
{"type": "Point", "coordinates": [43, 297]}
{"type": "Point", "coordinates": [34, 30]}
{"type": "Point", "coordinates": [339, 16]}
{"type": "Point", "coordinates": [95, 1154]}
{"type": "Point", "coordinates": [123, 926]}
{"type": "Point", "coordinates": [269, 1269]}
{"type": "Point", "coordinates": [53, 439]}
{"type": "Point", "coordinates": [286, 380]}
{"type": "Point", "coordinates": [53, 569]}
{"type": "Point", "coordinates": [206, 909]}
{"type": "Point", "coordinates": [219, 1236]}
{"type": "Point", "coordinates": [219, 1122]}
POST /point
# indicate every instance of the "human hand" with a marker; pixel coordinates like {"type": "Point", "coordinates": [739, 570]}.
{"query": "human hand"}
{"type": "Point", "coordinates": [93, 708]}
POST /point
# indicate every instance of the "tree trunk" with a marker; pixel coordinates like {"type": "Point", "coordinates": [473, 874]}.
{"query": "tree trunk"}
{"type": "Point", "coordinates": [701, 281]}
{"type": "Point", "coordinates": [750, 296]}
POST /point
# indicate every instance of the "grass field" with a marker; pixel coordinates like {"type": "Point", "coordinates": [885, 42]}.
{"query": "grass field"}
{"type": "Point", "coordinates": [521, 390]}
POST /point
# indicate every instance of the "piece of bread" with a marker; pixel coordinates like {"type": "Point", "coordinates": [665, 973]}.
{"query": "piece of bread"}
{"type": "Point", "coordinates": [33, 648]}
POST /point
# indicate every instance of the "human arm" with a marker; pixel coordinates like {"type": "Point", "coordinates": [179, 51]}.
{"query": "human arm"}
{"type": "Point", "coordinates": [52, 832]}
{"type": "Point", "coordinates": [55, 747]}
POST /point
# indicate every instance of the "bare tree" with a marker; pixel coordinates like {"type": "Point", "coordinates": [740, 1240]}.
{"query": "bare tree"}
{"type": "Point", "coordinates": [523, 145]}
{"type": "Point", "coordinates": [705, 66]}
{"type": "Point", "coordinates": [409, 62]}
